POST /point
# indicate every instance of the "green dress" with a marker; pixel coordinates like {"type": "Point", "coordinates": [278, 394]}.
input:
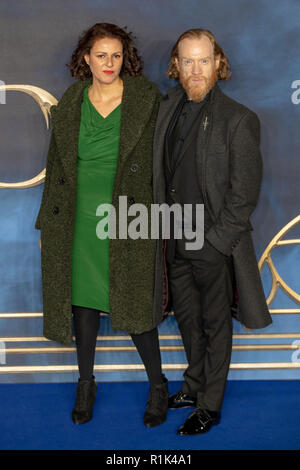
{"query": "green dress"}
{"type": "Point", "coordinates": [98, 149]}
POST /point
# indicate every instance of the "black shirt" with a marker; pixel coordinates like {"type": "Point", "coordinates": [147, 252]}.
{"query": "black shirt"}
{"type": "Point", "coordinates": [188, 112]}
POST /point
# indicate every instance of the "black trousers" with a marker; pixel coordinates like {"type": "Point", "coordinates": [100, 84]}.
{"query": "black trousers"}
{"type": "Point", "coordinates": [202, 293]}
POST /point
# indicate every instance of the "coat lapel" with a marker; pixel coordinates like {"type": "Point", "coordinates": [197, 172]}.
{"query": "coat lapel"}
{"type": "Point", "coordinates": [166, 110]}
{"type": "Point", "coordinates": [65, 119]}
{"type": "Point", "coordinates": [137, 105]}
{"type": "Point", "coordinates": [204, 134]}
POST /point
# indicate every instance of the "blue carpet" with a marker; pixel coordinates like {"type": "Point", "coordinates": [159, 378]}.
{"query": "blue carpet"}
{"type": "Point", "coordinates": [256, 415]}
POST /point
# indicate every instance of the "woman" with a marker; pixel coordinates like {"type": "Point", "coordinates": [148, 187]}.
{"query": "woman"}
{"type": "Point", "coordinates": [100, 149]}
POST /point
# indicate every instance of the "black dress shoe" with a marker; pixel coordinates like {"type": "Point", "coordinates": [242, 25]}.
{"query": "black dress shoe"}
{"type": "Point", "coordinates": [181, 400]}
{"type": "Point", "coordinates": [157, 404]}
{"type": "Point", "coordinates": [199, 422]}
{"type": "Point", "coordinates": [85, 399]}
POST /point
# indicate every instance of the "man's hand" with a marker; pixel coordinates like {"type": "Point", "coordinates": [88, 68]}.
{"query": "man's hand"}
{"type": "Point", "coordinates": [40, 244]}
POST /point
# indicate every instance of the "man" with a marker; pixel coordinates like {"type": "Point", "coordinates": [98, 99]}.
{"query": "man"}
{"type": "Point", "coordinates": [206, 151]}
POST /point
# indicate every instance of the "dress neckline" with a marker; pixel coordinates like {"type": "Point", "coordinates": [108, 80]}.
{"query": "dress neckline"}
{"type": "Point", "coordinates": [96, 110]}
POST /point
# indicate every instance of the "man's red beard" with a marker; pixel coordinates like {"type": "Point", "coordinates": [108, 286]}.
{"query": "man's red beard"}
{"type": "Point", "coordinates": [196, 91]}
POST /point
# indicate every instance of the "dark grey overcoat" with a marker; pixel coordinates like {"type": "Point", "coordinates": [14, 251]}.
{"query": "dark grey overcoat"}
{"type": "Point", "coordinates": [137, 277]}
{"type": "Point", "coordinates": [229, 166]}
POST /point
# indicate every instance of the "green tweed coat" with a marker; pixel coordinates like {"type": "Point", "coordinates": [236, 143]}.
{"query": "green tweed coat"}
{"type": "Point", "coordinates": [137, 274]}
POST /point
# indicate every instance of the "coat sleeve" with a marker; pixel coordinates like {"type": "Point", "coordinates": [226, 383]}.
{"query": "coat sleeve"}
{"type": "Point", "coordinates": [245, 180]}
{"type": "Point", "coordinates": [49, 164]}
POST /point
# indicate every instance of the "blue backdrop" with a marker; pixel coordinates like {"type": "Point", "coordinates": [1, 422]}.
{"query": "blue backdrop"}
{"type": "Point", "coordinates": [261, 39]}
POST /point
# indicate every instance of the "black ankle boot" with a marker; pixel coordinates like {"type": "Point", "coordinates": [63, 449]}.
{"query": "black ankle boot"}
{"type": "Point", "coordinates": [157, 404]}
{"type": "Point", "coordinates": [85, 399]}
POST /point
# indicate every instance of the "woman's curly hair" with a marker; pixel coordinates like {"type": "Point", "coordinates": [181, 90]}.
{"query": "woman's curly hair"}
{"type": "Point", "coordinates": [132, 63]}
{"type": "Point", "coordinates": [223, 71]}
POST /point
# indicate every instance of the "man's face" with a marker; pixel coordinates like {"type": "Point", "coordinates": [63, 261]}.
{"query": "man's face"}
{"type": "Point", "coordinates": [197, 66]}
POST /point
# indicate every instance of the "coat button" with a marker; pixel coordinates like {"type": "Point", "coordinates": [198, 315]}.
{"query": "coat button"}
{"type": "Point", "coordinates": [61, 180]}
{"type": "Point", "coordinates": [235, 244]}
{"type": "Point", "coordinates": [134, 167]}
{"type": "Point", "coordinates": [131, 200]}
{"type": "Point", "coordinates": [55, 210]}
{"type": "Point", "coordinates": [173, 190]}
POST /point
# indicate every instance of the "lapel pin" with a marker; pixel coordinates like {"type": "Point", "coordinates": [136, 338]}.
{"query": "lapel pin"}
{"type": "Point", "coordinates": [205, 123]}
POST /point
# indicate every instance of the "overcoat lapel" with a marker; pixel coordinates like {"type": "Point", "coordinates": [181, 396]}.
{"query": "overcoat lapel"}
{"type": "Point", "coordinates": [65, 119]}
{"type": "Point", "coordinates": [137, 106]}
{"type": "Point", "coordinates": [166, 110]}
{"type": "Point", "coordinates": [204, 135]}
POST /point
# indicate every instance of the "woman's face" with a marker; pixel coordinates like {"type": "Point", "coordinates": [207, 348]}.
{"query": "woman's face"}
{"type": "Point", "coordinates": [105, 59]}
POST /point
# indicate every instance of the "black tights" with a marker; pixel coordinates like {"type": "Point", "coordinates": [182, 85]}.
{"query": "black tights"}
{"type": "Point", "coordinates": [87, 323]}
